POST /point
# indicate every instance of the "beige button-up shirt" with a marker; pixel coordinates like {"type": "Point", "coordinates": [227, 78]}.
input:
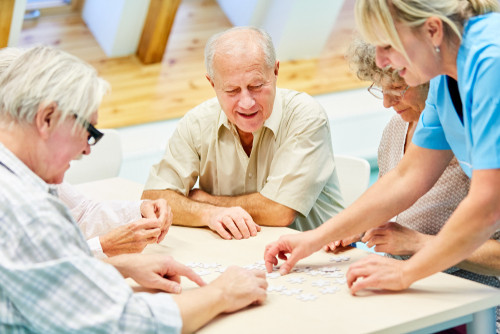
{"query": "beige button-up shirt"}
{"type": "Point", "coordinates": [291, 161]}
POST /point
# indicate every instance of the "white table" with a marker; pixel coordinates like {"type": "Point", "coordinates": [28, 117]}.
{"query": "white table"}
{"type": "Point", "coordinates": [434, 303]}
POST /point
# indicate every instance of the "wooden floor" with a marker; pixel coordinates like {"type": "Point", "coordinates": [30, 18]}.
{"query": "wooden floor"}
{"type": "Point", "coordinates": [147, 93]}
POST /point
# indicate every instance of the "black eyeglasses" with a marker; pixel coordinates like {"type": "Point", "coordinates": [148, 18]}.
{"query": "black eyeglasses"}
{"type": "Point", "coordinates": [394, 93]}
{"type": "Point", "coordinates": [94, 134]}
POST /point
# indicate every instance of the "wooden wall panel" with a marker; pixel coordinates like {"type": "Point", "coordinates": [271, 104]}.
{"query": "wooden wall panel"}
{"type": "Point", "coordinates": [159, 21]}
{"type": "Point", "coordinates": [6, 10]}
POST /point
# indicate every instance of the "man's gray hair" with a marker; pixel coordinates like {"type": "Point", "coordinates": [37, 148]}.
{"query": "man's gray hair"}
{"type": "Point", "coordinates": [43, 75]}
{"type": "Point", "coordinates": [263, 40]}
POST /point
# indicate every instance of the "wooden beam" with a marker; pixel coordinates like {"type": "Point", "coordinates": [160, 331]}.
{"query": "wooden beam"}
{"type": "Point", "coordinates": [159, 21]}
{"type": "Point", "coordinates": [6, 11]}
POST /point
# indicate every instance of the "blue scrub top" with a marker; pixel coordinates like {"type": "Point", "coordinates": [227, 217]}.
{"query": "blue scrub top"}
{"type": "Point", "coordinates": [476, 142]}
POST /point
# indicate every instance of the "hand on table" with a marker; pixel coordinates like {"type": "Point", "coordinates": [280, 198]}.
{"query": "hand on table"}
{"type": "Point", "coordinates": [395, 239]}
{"type": "Point", "coordinates": [155, 271]}
{"type": "Point", "coordinates": [298, 245]}
{"type": "Point", "coordinates": [232, 222]}
{"type": "Point", "coordinates": [375, 271]}
{"type": "Point", "coordinates": [131, 238]}
{"type": "Point", "coordinates": [341, 245]}
{"type": "Point", "coordinates": [241, 287]}
{"type": "Point", "coordinates": [160, 210]}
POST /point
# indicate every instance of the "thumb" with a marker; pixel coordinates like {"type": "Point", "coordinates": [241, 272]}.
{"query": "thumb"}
{"type": "Point", "coordinates": [148, 210]}
{"type": "Point", "coordinates": [167, 286]}
{"type": "Point", "coordinates": [289, 263]}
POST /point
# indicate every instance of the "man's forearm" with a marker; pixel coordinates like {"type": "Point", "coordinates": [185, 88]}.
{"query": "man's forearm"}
{"type": "Point", "coordinates": [264, 211]}
{"type": "Point", "coordinates": [186, 212]}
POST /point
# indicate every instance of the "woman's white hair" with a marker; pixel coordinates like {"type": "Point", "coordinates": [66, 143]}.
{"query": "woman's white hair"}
{"type": "Point", "coordinates": [376, 18]}
{"type": "Point", "coordinates": [32, 78]}
{"type": "Point", "coordinates": [262, 39]}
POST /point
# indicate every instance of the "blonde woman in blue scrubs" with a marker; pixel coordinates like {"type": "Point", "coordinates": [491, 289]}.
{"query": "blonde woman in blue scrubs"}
{"type": "Point", "coordinates": [456, 42]}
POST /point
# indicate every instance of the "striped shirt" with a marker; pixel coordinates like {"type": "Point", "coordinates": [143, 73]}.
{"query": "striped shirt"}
{"type": "Point", "coordinates": [49, 281]}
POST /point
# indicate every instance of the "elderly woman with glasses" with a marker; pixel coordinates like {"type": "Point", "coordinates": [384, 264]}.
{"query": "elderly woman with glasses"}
{"type": "Point", "coordinates": [415, 227]}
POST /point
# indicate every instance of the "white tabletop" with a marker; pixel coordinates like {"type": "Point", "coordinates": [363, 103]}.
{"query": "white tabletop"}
{"type": "Point", "coordinates": [429, 302]}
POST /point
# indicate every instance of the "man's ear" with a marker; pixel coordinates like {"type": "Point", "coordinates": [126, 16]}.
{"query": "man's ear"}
{"type": "Point", "coordinates": [46, 119]}
{"type": "Point", "coordinates": [210, 80]}
{"type": "Point", "coordinates": [433, 28]}
{"type": "Point", "coordinates": [276, 68]}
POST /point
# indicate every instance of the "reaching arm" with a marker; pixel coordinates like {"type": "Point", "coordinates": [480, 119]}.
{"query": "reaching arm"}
{"type": "Point", "coordinates": [396, 239]}
{"type": "Point", "coordinates": [227, 222]}
{"type": "Point", "coordinates": [472, 223]}
{"type": "Point", "coordinates": [475, 220]}
{"type": "Point", "coordinates": [485, 260]}
{"type": "Point", "coordinates": [263, 210]}
{"type": "Point", "coordinates": [417, 172]}
{"type": "Point", "coordinates": [233, 290]}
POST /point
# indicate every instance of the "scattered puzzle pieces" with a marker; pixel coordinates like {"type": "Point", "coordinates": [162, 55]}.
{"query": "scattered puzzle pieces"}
{"type": "Point", "coordinates": [320, 283]}
{"type": "Point", "coordinates": [296, 280]}
{"type": "Point", "coordinates": [306, 297]}
{"type": "Point", "coordinates": [329, 290]}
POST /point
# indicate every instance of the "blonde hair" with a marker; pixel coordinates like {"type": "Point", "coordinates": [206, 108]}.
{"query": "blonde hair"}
{"type": "Point", "coordinates": [375, 18]}
{"type": "Point", "coordinates": [44, 75]}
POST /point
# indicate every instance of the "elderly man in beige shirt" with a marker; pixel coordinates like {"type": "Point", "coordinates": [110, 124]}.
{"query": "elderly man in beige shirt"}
{"type": "Point", "coordinates": [263, 155]}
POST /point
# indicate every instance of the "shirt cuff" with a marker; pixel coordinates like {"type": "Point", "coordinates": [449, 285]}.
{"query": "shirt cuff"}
{"type": "Point", "coordinates": [96, 248]}
{"type": "Point", "coordinates": [165, 311]}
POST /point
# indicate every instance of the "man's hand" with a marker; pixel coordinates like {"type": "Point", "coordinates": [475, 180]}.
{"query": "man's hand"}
{"type": "Point", "coordinates": [341, 245]}
{"type": "Point", "coordinates": [155, 271]}
{"type": "Point", "coordinates": [376, 272]}
{"type": "Point", "coordinates": [298, 245]}
{"type": "Point", "coordinates": [232, 222]}
{"type": "Point", "coordinates": [160, 210]}
{"type": "Point", "coordinates": [131, 238]}
{"type": "Point", "coordinates": [395, 239]}
{"type": "Point", "coordinates": [241, 287]}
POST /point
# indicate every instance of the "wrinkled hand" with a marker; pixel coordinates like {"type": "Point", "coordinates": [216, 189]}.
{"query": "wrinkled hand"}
{"type": "Point", "coordinates": [160, 210]}
{"type": "Point", "coordinates": [237, 221]}
{"type": "Point", "coordinates": [297, 245]}
{"type": "Point", "coordinates": [157, 271]}
{"type": "Point", "coordinates": [376, 272]}
{"type": "Point", "coordinates": [341, 245]}
{"type": "Point", "coordinates": [241, 287]}
{"type": "Point", "coordinates": [130, 238]}
{"type": "Point", "coordinates": [395, 239]}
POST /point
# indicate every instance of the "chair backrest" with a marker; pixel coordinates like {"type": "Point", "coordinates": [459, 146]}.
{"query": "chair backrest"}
{"type": "Point", "coordinates": [354, 176]}
{"type": "Point", "coordinates": [104, 160]}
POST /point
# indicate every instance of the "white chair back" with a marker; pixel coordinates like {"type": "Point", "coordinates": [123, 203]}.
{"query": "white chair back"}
{"type": "Point", "coordinates": [104, 160]}
{"type": "Point", "coordinates": [354, 176]}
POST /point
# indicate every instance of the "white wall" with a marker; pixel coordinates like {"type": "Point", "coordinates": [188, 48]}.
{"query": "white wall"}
{"type": "Point", "coordinates": [299, 28]}
{"type": "Point", "coordinates": [17, 22]}
{"type": "Point", "coordinates": [116, 24]}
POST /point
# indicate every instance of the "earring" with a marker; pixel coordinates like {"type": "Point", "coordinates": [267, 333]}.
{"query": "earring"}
{"type": "Point", "coordinates": [437, 49]}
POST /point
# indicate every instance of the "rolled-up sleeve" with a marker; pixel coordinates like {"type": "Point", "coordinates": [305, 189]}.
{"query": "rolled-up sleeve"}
{"type": "Point", "coordinates": [178, 170]}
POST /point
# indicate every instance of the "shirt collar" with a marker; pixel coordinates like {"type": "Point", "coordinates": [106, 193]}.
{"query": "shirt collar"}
{"type": "Point", "coordinates": [272, 123]}
{"type": "Point", "coordinates": [12, 163]}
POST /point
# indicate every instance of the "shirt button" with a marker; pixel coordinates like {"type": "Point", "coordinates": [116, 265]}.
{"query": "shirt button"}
{"type": "Point", "coordinates": [250, 175]}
